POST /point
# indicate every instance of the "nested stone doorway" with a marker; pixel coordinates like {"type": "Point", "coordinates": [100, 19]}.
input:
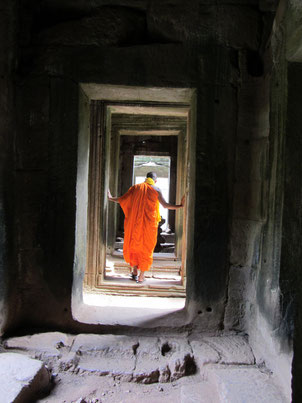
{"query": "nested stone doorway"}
{"type": "Point", "coordinates": [125, 122]}
{"type": "Point", "coordinates": [138, 155]}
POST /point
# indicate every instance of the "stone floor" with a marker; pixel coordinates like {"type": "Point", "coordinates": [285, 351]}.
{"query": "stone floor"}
{"type": "Point", "coordinates": [180, 367]}
{"type": "Point", "coordinates": [163, 279]}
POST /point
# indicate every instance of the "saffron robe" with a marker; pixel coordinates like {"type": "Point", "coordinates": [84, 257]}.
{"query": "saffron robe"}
{"type": "Point", "coordinates": [141, 208]}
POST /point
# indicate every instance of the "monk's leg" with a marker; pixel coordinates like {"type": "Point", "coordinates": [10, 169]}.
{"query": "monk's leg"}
{"type": "Point", "coordinates": [134, 266]}
{"type": "Point", "coordinates": [141, 276]}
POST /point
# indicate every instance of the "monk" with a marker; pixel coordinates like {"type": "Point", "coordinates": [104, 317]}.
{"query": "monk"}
{"type": "Point", "coordinates": [141, 208]}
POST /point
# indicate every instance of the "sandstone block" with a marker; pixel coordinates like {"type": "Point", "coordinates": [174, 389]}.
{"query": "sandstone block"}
{"type": "Point", "coordinates": [232, 349]}
{"type": "Point", "coordinates": [45, 344]}
{"type": "Point", "coordinates": [240, 297]}
{"type": "Point", "coordinates": [249, 385]}
{"type": "Point", "coordinates": [106, 354]}
{"type": "Point", "coordinates": [203, 353]}
{"type": "Point", "coordinates": [110, 344]}
{"type": "Point", "coordinates": [21, 378]}
{"type": "Point", "coordinates": [149, 360]}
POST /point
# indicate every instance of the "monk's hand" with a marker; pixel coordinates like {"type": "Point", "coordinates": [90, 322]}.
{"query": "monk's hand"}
{"type": "Point", "coordinates": [183, 200]}
{"type": "Point", "coordinates": [109, 195]}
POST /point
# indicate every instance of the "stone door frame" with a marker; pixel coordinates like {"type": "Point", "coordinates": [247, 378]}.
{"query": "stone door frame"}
{"type": "Point", "coordinates": [98, 158]}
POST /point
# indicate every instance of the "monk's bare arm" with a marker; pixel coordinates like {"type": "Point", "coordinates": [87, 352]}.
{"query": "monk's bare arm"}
{"type": "Point", "coordinates": [111, 198]}
{"type": "Point", "coordinates": [167, 205]}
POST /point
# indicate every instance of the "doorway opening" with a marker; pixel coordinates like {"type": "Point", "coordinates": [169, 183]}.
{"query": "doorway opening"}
{"type": "Point", "coordinates": [142, 164]}
{"type": "Point", "coordinates": [138, 155]}
{"type": "Point", "coordinates": [130, 128]}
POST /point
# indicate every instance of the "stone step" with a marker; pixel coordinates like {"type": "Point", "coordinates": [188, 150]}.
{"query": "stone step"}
{"type": "Point", "coordinates": [237, 384]}
{"type": "Point", "coordinates": [169, 237]}
{"type": "Point", "coordinates": [22, 379]}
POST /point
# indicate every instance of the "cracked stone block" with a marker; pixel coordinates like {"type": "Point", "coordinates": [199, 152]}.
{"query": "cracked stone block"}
{"type": "Point", "coordinates": [164, 374]}
{"type": "Point", "coordinates": [149, 361]}
{"type": "Point", "coordinates": [43, 344]}
{"type": "Point", "coordinates": [106, 354]}
{"type": "Point", "coordinates": [163, 360]}
{"type": "Point", "coordinates": [182, 366]}
{"type": "Point", "coordinates": [245, 384]}
{"type": "Point", "coordinates": [21, 378]}
{"type": "Point", "coordinates": [180, 357]}
{"type": "Point", "coordinates": [232, 349]}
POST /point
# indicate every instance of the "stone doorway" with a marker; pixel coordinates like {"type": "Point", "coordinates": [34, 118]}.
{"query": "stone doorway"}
{"type": "Point", "coordinates": [138, 155]}
{"type": "Point", "coordinates": [135, 119]}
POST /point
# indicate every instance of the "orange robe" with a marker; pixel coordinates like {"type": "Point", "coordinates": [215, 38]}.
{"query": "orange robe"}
{"type": "Point", "coordinates": [141, 208]}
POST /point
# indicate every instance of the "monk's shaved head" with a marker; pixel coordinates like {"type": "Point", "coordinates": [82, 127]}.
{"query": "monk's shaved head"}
{"type": "Point", "coordinates": [151, 175]}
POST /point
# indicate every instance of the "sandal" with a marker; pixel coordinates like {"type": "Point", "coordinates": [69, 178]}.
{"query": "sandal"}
{"type": "Point", "coordinates": [134, 276]}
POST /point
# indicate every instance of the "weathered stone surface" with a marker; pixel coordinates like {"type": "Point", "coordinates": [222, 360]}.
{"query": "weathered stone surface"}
{"type": "Point", "coordinates": [178, 22]}
{"type": "Point", "coordinates": [248, 200]}
{"type": "Point", "coordinates": [32, 98]}
{"type": "Point", "coordinates": [44, 344]}
{"type": "Point", "coordinates": [245, 242]}
{"type": "Point", "coordinates": [203, 353]}
{"type": "Point", "coordinates": [110, 26]}
{"type": "Point", "coordinates": [251, 160]}
{"type": "Point", "coordinates": [202, 392]}
{"type": "Point", "coordinates": [149, 361]}
{"type": "Point", "coordinates": [240, 297]}
{"type": "Point", "coordinates": [163, 360]}
{"type": "Point", "coordinates": [182, 366]}
{"type": "Point", "coordinates": [21, 378]}
{"type": "Point", "coordinates": [181, 359]}
{"type": "Point", "coordinates": [294, 31]}
{"type": "Point", "coordinates": [232, 349]}
{"type": "Point", "coordinates": [89, 343]}
{"type": "Point", "coordinates": [249, 385]}
{"type": "Point", "coordinates": [233, 34]}
{"type": "Point", "coordinates": [253, 115]}
{"type": "Point", "coordinates": [106, 354]}
{"type": "Point", "coordinates": [69, 361]}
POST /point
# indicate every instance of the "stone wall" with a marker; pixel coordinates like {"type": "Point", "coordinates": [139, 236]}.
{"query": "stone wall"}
{"type": "Point", "coordinates": [218, 49]}
{"type": "Point", "coordinates": [291, 253]}
{"type": "Point", "coordinates": [290, 270]}
{"type": "Point", "coordinates": [145, 44]}
{"type": "Point", "coordinates": [8, 25]}
{"type": "Point", "coordinates": [249, 194]}
{"type": "Point", "coordinates": [240, 266]}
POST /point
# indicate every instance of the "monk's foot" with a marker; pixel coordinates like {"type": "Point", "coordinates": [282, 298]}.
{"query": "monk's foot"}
{"type": "Point", "coordinates": [134, 276]}
{"type": "Point", "coordinates": [141, 278]}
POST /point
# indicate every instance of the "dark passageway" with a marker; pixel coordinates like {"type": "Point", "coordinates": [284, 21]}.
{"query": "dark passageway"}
{"type": "Point", "coordinates": [214, 86]}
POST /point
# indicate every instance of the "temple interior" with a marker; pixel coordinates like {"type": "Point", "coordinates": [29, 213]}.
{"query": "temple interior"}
{"type": "Point", "coordinates": [95, 94]}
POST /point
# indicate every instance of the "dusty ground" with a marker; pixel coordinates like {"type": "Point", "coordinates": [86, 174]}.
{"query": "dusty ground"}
{"type": "Point", "coordinates": [93, 388]}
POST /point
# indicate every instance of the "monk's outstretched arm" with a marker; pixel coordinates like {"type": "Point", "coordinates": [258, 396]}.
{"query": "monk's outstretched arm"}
{"type": "Point", "coordinates": [111, 198]}
{"type": "Point", "coordinates": [170, 206]}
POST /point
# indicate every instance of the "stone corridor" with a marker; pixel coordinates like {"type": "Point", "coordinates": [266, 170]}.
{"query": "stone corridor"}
{"type": "Point", "coordinates": [87, 89]}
